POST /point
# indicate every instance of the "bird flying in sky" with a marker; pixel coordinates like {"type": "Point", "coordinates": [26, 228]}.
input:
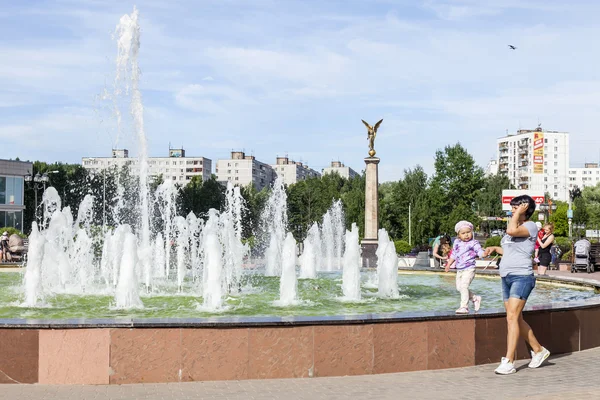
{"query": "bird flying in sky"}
{"type": "Point", "coordinates": [510, 46]}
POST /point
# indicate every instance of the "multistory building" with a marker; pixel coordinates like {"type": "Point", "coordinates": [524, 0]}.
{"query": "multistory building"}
{"type": "Point", "coordinates": [589, 175]}
{"type": "Point", "coordinates": [341, 169]}
{"type": "Point", "coordinates": [292, 171]}
{"type": "Point", "coordinates": [12, 192]}
{"type": "Point", "coordinates": [536, 160]}
{"type": "Point", "coordinates": [176, 166]}
{"type": "Point", "coordinates": [244, 170]}
{"type": "Point", "coordinates": [491, 168]}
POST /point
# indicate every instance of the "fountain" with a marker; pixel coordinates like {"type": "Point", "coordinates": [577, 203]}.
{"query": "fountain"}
{"type": "Point", "coordinates": [186, 281]}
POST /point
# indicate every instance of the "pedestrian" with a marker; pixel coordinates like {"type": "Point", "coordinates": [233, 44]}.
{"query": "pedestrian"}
{"type": "Point", "coordinates": [464, 252]}
{"type": "Point", "coordinates": [545, 242]}
{"type": "Point", "coordinates": [436, 252]}
{"type": "Point", "coordinates": [516, 272]}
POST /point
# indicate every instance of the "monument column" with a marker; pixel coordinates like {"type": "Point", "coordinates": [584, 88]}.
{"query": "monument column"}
{"type": "Point", "coordinates": [370, 240]}
{"type": "Point", "coordinates": [369, 243]}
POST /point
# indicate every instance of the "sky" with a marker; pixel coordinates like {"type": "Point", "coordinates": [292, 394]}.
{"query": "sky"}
{"type": "Point", "coordinates": [295, 78]}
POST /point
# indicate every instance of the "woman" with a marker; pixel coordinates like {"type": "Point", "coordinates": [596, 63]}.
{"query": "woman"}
{"type": "Point", "coordinates": [545, 243]}
{"type": "Point", "coordinates": [518, 281]}
{"type": "Point", "coordinates": [438, 257]}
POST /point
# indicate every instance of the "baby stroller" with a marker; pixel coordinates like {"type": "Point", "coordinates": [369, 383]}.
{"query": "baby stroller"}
{"type": "Point", "coordinates": [582, 261]}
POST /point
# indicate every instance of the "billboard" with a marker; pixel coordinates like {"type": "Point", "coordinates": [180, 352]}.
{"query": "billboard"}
{"type": "Point", "coordinates": [538, 153]}
{"type": "Point", "coordinates": [508, 195]}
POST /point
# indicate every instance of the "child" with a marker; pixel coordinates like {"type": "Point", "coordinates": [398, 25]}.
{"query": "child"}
{"type": "Point", "coordinates": [464, 252]}
{"type": "Point", "coordinates": [536, 259]}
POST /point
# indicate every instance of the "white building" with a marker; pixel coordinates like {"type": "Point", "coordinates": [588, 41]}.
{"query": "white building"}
{"type": "Point", "coordinates": [243, 170]}
{"type": "Point", "coordinates": [589, 175]}
{"type": "Point", "coordinates": [536, 160]}
{"type": "Point", "coordinates": [292, 171]}
{"type": "Point", "coordinates": [340, 168]}
{"type": "Point", "coordinates": [491, 168]}
{"type": "Point", "coordinates": [177, 166]}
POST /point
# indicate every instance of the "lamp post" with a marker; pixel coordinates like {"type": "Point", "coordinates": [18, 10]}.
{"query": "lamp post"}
{"type": "Point", "coordinates": [39, 182]}
{"type": "Point", "coordinates": [546, 209]}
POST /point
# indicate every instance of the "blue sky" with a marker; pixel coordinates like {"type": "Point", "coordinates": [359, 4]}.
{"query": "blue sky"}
{"type": "Point", "coordinates": [296, 77]}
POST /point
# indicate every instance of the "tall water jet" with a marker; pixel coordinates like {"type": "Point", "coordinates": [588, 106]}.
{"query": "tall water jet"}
{"type": "Point", "coordinates": [333, 236]}
{"type": "Point", "coordinates": [234, 206]}
{"type": "Point", "coordinates": [182, 248]}
{"type": "Point", "coordinates": [213, 263]}
{"type": "Point", "coordinates": [309, 257]}
{"type": "Point", "coordinates": [195, 226]}
{"type": "Point", "coordinates": [159, 256]}
{"type": "Point", "coordinates": [274, 221]}
{"type": "Point", "coordinates": [128, 47]}
{"type": "Point", "coordinates": [33, 272]}
{"type": "Point", "coordinates": [352, 263]}
{"type": "Point", "coordinates": [288, 283]}
{"type": "Point", "coordinates": [165, 202]}
{"type": "Point", "coordinates": [339, 229]}
{"type": "Point", "coordinates": [126, 296]}
{"type": "Point", "coordinates": [387, 267]}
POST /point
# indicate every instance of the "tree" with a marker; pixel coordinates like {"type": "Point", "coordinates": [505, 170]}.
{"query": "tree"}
{"type": "Point", "coordinates": [591, 196]}
{"type": "Point", "coordinates": [458, 180]}
{"type": "Point", "coordinates": [559, 219]}
{"type": "Point", "coordinates": [488, 200]}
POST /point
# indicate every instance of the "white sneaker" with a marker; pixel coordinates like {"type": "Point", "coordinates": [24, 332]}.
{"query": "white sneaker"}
{"type": "Point", "coordinates": [462, 310]}
{"type": "Point", "coordinates": [538, 358]}
{"type": "Point", "coordinates": [476, 303]}
{"type": "Point", "coordinates": [505, 367]}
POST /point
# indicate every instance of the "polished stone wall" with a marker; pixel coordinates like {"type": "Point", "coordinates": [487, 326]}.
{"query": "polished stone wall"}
{"type": "Point", "coordinates": [104, 355]}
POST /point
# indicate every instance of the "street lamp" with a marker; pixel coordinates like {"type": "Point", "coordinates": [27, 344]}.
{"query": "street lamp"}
{"type": "Point", "coordinates": [39, 182]}
{"type": "Point", "coordinates": [546, 209]}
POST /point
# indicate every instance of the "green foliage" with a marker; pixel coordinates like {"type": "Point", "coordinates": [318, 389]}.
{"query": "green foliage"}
{"type": "Point", "coordinates": [566, 256]}
{"type": "Point", "coordinates": [493, 241]}
{"type": "Point", "coordinates": [402, 246]}
{"type": "Point", "coordinates": [591, 196]}
{"type": "Point", "coordinates": [563, 243]}
{"type": "Point", "coordinates": [559, 219]}
{"type": "Point", "coordinates": [10, 230]}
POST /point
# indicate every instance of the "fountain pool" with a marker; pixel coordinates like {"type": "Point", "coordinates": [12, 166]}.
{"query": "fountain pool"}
{"type": "Point", "coordinates": [424, 292]}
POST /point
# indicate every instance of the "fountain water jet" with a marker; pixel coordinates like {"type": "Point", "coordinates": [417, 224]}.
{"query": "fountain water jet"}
{"type": "Point", "coordinates": [352, 263]}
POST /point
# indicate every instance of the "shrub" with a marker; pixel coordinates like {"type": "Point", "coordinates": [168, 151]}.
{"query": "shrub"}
{"type": "Point", "coordinates": [402, 246]}
{"type": "Point", "coordinates": [566, 256]}
{"type": "Point", "coordinates": [564, 244]}
{"type": "Point", "coordinates": [11, 230]}
{"type": "Point", "coordinates": [493, 241]}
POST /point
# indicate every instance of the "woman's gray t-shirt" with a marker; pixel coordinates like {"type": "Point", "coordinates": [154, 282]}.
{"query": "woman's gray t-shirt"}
{"type": "Point", "coordinates": [516, 259]}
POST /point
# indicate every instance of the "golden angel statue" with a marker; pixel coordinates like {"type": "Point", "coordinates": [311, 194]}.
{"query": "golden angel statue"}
{"type": "Point", "coordinates": [372, 132]}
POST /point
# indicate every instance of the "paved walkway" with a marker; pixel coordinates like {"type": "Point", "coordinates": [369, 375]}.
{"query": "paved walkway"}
{"type": "Point", "coordinates": [573, 376]}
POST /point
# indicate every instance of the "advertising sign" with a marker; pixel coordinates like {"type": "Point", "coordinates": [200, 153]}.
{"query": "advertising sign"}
{"type": "Point", "coordinates": [508, 195]}
{"type": "Point", "coordinates": [538, 153]}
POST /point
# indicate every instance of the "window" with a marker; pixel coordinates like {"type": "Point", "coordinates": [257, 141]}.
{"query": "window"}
{"type": "Point", "coordinates": [545, 140]}
{"type": "Point", "coordinates": [555, 194]}
{"type": "Point", "coordinates": [555, 164]}
{"type": "Point", "coordinates": [546, 163]}
{"type": "Point", "coordinates": [174, 162]}
{"type": "Point", "coordinates": [555, 186]}
{"type": "Point", "coordinates": [545, 171]}
{"type": "Point", "coordinates": [545, 179]}
{"type": "Point", "coordinates": [556, 171]}
{"type": "Point", "coordinates": [556, 149]}
{"type": "Point", "coordinates": [556, 156]}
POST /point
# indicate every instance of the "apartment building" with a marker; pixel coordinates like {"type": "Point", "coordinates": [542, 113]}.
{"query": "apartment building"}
{"type": "Point", "coordinates": [176, 166]}
{"type": "Point", "coordinates": [491, 168]}
{"type": "Point", "coordinates": [292, 171]}
{"type": "Point", "coordinates": [341, 169]}
{"type": "Point", "coordinates": [536, 160]}
{"type": "Point", "coordinates": [589, 175]}
{"type": "Point", "coordinates": [12, 192]}
{"type": "Point", "coordinates": [244, 170]}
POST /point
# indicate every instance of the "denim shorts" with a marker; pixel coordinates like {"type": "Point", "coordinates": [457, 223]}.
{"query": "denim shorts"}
{"type": "Point", "coordinates": [517, 286]}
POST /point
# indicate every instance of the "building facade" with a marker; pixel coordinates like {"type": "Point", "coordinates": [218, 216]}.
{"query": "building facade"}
{"type": "Point", "coordinates": [293, 171]}
{"type": "Point", "coordinates": [589, 175]}
{"type": "Point", "coordinates": [12, 192]}
{"type": "Point", "coordinates": [244, 170]}
{"type": "Point", "coordinates": [177, 167]}
{"type": "Point", "coordinates": [341, 169]}
{"type": "Point", "coordinates": [536, 160]}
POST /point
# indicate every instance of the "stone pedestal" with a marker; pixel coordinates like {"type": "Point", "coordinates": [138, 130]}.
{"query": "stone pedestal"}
{"type": "Point", "coordinates": [369, 243]}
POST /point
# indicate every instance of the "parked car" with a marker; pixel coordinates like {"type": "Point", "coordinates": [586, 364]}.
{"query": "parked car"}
{"type": "Point", "coordinates": [496, 232]}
